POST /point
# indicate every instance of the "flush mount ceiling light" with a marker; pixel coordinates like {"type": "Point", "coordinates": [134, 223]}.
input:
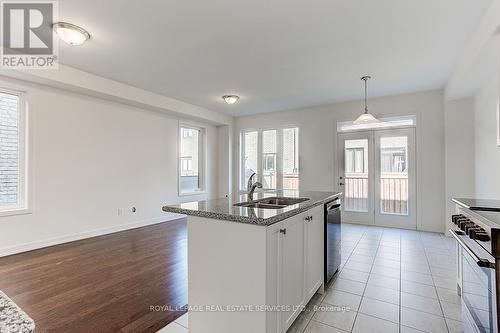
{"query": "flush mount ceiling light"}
{"type": "Point", "coordinates": [70, 33]}
{"type": "Point", "coordinates": [366, 117]}
{"type": "Point", "coordinates": [230, 99]}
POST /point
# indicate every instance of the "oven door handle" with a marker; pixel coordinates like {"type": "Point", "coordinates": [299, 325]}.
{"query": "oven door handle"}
{"type": "Point", "coordinates": [480, 261]}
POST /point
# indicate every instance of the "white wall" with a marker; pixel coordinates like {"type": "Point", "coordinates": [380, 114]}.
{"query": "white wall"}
{"type": "Point", "coordinates": [224, 160]}
{"type": "Point", "coordinates": [487, 158]}
{"type": "Point", "coordinates": [318, 161]}
{"type": "Point", "coordinates": [476, 76]}
{"type": "Point", "coordinates": [90, 157]}
{"type": "Point", "coordinates": [459, 143]}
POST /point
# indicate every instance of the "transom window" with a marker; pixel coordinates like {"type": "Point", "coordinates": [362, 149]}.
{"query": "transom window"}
{"type": "Point", "coordinates": [273, 154]}
{"type": "Point", "coordinates": [385, 122]}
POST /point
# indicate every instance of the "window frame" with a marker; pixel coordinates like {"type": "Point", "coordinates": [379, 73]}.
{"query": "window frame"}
{"type": "Point", "coordinates": [24, 194]}
{"type": "Point", "coordinates": [260, 156]}
{"type": "Point", "coordinates": [201, 158]}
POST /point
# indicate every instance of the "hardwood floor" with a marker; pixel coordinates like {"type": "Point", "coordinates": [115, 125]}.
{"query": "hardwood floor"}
{"type": "Point", "coordinates": [103, 284]}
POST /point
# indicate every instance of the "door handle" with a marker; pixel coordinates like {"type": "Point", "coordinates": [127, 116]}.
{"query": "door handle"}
{"type": "Point", "coordinates": [283, 231]}
{"type": "Point", "coordinates": [341, 184]}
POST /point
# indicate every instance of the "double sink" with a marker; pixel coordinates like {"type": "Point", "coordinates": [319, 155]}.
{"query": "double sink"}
{"type": "Point", "coordinates": [271, 203]}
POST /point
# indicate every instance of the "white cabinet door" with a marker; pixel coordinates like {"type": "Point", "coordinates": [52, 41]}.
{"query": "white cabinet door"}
{"type": "Point", "coordinates": [274, 323]}
{"type": "Point", "coordinates": [314, 246]}
{"type": "Point", "coordinates": [293, 269]}
{"type": "Point", "coordinates": [294, 266]}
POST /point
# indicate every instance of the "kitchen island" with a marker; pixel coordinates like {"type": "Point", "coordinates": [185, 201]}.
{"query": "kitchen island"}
{"type": "Point", "coordinates": [253, 267]}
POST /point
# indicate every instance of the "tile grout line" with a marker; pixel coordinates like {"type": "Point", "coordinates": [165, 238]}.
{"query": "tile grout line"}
{"type": "Point", "coordinates": [359, 306]}
{"type": "Point", "coordinates": [366, 285]}
{"type": "Point", "coordinates": [435, 289]}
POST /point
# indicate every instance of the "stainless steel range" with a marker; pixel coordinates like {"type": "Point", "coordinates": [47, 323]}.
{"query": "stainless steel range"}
{"type": "Point", "coordinates": [478, 276]}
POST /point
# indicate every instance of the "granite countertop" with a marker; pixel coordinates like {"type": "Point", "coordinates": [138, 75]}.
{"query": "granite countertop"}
{"type": "Point", "coordinates": [224, 209]}
{"type": "Point", "coordinates": [478, 204]}
{"type": "Point", "coordinates": [12, 318]}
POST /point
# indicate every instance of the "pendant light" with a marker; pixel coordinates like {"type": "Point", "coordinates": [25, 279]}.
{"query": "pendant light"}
{"type": "Point", "coordinates": [366, 118]}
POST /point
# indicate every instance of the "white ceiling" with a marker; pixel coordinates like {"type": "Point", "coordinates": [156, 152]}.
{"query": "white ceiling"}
{"type": "Point", "coordinates": [275, 54]}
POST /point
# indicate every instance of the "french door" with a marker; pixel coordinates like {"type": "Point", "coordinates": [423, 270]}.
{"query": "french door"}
{"type": "Point", "coordinates": [378, 177]}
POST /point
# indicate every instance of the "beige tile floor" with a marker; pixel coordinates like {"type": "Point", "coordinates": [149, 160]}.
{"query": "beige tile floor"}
{"type": "Point", "coordinates": [391, 280]}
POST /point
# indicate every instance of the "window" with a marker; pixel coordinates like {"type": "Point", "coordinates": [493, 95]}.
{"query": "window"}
{"type": "Point", "coordinates": [274, 155]}
{"type": "Point", "coordinates": [291, 158]}
{"type": "Point", "coordinates": [187, 132]}
{"type": "Point", "coordinates": [187, 165]}
{"type": "Point", "coordinates": [249, 153]}
{"type": "Point", "coordinates": [269, 162]}
{"type": "Point", "coordinates": [393, 158]}
{"type": "Point", "coordinates": [355, 160]}
{"type": "Point", "coordinates": [191, 160]}
{"type": "Point", "coordinates": [12, 152]}
{"type": "Point", "coordinates": [269, 149]}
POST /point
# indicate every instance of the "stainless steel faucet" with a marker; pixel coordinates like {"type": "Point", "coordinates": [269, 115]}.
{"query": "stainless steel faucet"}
{"type": "Point", "coordinates": [252, 186]}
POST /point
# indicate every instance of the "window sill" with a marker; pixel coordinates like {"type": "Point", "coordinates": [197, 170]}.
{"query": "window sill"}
{"type": "Point", "coordinates": [13, 212]}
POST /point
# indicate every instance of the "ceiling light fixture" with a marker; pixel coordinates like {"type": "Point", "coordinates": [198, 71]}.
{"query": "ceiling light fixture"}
{"type": "Point", "coordinates": [230, 99]}
{"type": "Point", "coordinates": [366, 117]}
{"type": "Point", "coordinates": [70, 33]}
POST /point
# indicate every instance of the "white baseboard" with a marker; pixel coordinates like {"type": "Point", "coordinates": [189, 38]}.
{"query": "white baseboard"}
{"type": "Point", "coordinates": [7, 251]}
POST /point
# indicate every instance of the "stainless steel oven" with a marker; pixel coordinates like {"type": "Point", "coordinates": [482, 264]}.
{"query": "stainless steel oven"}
{"type": "Point", "coordinates": [478, 286]}
{"type": "Point", "coordinates": [478, 276]}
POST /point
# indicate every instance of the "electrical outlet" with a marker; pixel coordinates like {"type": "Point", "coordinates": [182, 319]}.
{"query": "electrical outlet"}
{"type": "Point", "coordinates": [120, 211]}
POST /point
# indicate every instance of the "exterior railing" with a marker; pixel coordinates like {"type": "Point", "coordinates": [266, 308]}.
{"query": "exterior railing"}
{"type": "Point", "coordinates": [393, 194]}
{"type": "Point", "coordinates": [356, 194]}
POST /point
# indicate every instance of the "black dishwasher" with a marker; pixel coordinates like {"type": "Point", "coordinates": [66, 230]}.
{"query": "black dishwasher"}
{"type": "Point", "coordinates": [332, 238]}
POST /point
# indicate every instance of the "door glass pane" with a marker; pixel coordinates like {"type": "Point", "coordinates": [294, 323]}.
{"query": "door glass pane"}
{"type": "Point", "coordinates": [269, 159]}
{"type": "Point", "coordinates": [356, 175]}
{"type": "Point", "coordinates": [394, 175]}
{"type": "Point", "coordinates": [291, 158]}
{"type": "Point", "coordinates": [250, 156]}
